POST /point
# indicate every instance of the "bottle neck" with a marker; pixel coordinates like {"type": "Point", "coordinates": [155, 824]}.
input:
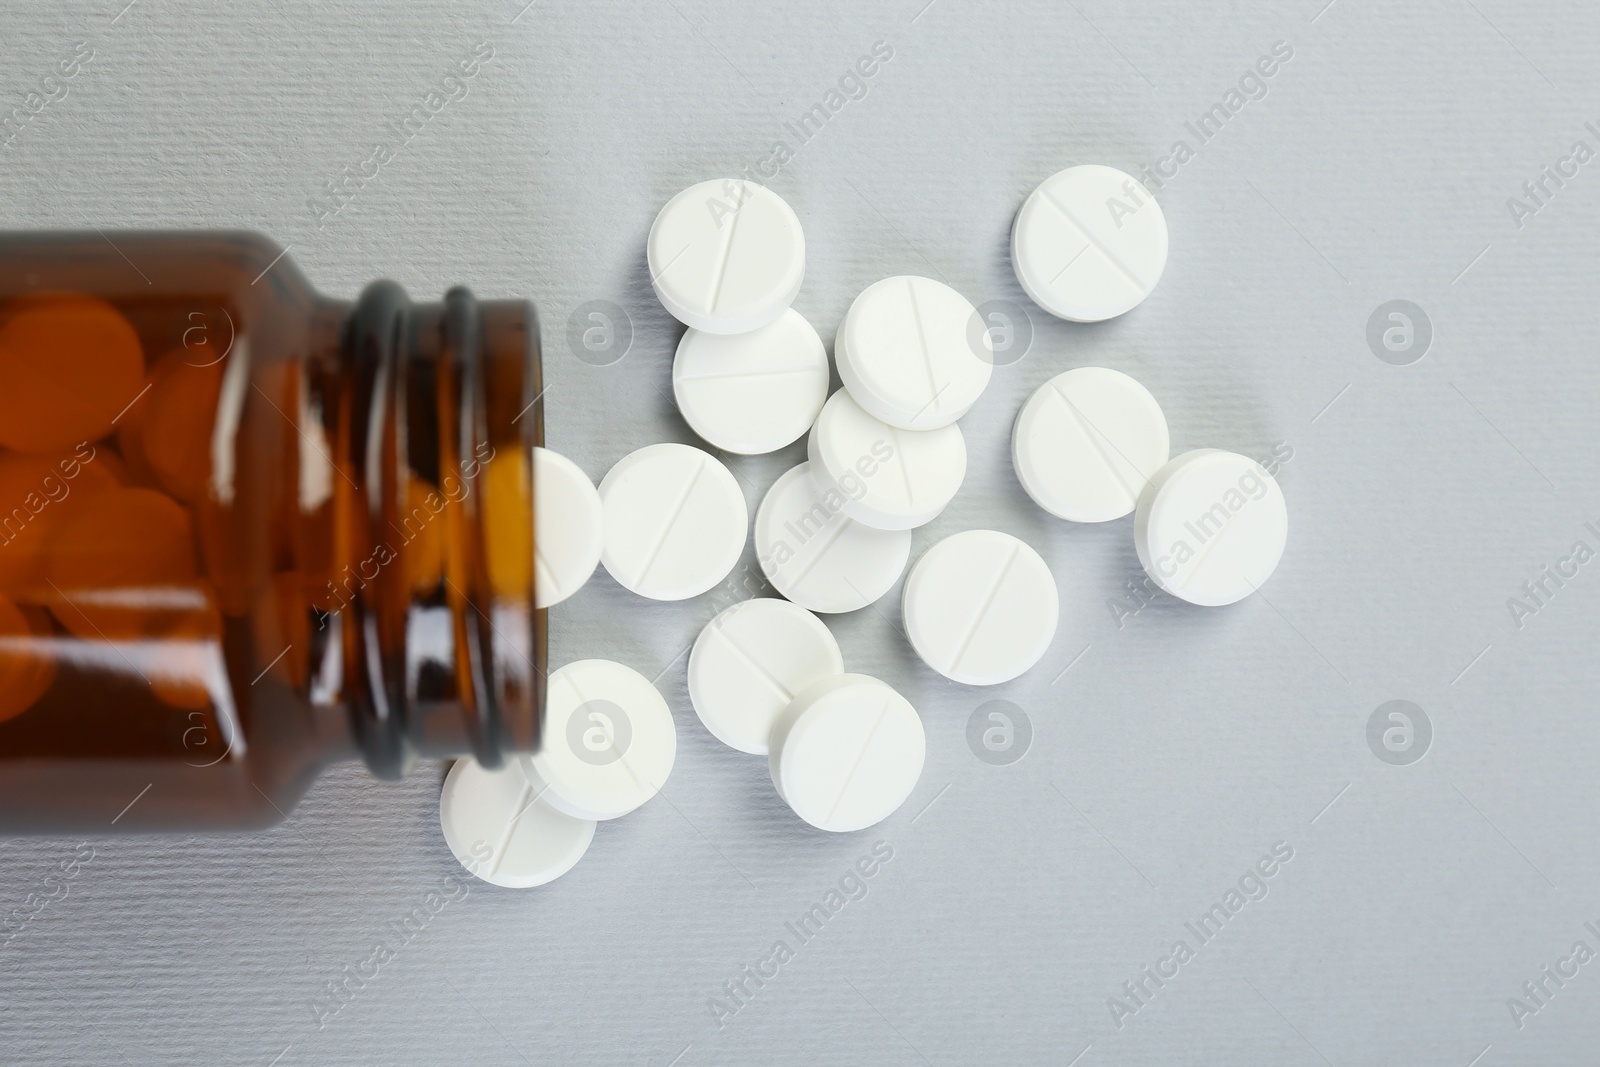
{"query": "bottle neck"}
{"type": "Point", "coordinates": [433, 645]}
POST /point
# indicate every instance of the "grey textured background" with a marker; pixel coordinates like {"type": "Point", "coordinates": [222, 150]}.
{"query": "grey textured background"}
{"type": "Point", "coordinates": [1178, 747]}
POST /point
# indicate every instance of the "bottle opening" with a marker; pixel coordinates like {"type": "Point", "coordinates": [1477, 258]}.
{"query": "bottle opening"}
{"type": "Point", "coordinates": [438, 642]}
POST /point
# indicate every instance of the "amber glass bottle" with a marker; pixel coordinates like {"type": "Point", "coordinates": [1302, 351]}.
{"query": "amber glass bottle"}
{"type": "Point", "coordinates": [246, 530]}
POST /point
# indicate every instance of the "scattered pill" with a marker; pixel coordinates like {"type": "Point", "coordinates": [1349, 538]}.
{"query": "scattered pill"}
{"type": "Point", "coordinates": [567, 531]}
{"type": "Point", "coordinates": [1089, 243]}
{"type": "Point", "coordinates": [819, 557]}
{"type": "Point", "coordinates": [891, 479]}
{"type": "Point", "coordinates": [909, 355]}
{"type": "Point", "coordinates": [1211, 526]}
{"type": "Point", "coordinates": [69, 364]}
{"type": "Point", "coordinates": [1086, 442]}
{"type": "Point", "coordinates": [501, 830]}
{"type": "Point", "coordinates": [750, 661]}
{"type": "Point", "coordinates": [753, 392]}
{"type": "Point", "coordinates": [847, 752]}
{"type": "Point", "coordinates": [609, 740]}
{"type": "Point", "coordinates": [674, 521]}
{"type": "Point", "coordinates": [980, 607]}
{"type": "Point", "coordinates": [726, 256]}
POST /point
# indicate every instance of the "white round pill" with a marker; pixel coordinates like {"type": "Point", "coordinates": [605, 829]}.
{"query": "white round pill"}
{"type": "Point", "coordinates": [819, 557]}
{"type": "Point", "coordinates": [847, 752]}
{"type": "Point", "coordinates": [726, 256]}
{"type": "Point", "coordinates": [1089, 243]}
{"type": "Point", "coordinates": [753, 392]}
{"type": "Point", "coordinates": [1211, 526]}
{"type": "Point", "coordinates": [674, 521]}
{"type": "Point", "coordinates": [750, 661]}
{"type": "Point", "coordinates": [566, 527]}
{"type": "Point", "coordinates": [891, 479]}
{"type": "Point", "coordinates": [909, 354]}
{"type": "Point", "coordinates": [1086, 442]}
{"type": "Point", "coordinates": [608, 741]}
{"type": "Point", "coordinates": [501, 830]}
{"type": "Point", "coordinates": [980, 607]}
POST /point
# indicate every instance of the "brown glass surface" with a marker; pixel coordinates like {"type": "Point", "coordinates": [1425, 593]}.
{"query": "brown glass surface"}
{"type": "Point", "coordinates": [192, 569]}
